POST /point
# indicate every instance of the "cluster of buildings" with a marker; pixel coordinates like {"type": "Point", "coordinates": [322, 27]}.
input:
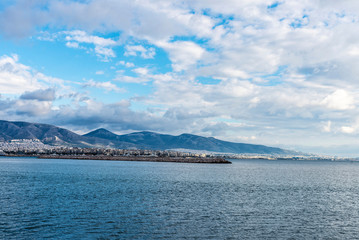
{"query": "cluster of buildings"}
{"type": "Point", "coordinates": [36, 147]}
{"type": "Point", "coordinates": [23, 144]}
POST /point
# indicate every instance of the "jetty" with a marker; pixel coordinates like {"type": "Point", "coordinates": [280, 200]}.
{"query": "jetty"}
{"type": "Point", "coordinates": [215, 160]}
{"type": "Point", "coordinates": [111, 154]}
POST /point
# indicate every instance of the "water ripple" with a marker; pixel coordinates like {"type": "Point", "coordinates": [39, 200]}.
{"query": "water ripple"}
{"type": "Point", "coordinates": [129, 200]}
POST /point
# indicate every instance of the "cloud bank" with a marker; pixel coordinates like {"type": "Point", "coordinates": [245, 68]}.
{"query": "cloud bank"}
{"type": "Point", "coordinates": [282, 73]}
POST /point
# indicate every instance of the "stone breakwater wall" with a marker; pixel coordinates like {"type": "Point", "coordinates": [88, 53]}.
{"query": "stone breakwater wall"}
{"type": "Point", "coordinates": [140, 158]}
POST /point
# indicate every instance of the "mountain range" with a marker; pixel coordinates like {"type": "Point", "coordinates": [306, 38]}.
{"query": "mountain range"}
{"type": "Point", "coordinates": [53, 135]}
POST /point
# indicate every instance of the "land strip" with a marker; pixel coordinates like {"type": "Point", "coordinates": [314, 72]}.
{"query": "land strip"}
{"type": "Point", "coordinates": [141, 158]}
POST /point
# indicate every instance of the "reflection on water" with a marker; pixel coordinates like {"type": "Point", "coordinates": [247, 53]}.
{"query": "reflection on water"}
{"type": "Point", "coordinates": [249, 199]}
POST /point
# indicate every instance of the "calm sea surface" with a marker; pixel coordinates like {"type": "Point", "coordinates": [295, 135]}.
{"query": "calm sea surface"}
{"type": "Point", "coordinates": [249, 199]}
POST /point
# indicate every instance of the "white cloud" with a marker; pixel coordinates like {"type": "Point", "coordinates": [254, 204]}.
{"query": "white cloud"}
{"type": "Point", "coordinates": [134, 50]}
{"type": "Point", "coordinates": [353, 50]}
{"type": "Point", "coordinates": [141, 71]}
{"type": "Point", "coordinates": [347, 129]}
{"type": "Point", "coordinates": [128, 79]}
{"type": "Point", "coordinates": [183, 54]}
{"type": "Point", "coordinates": [16, 78]}
{"type": "Point", "coordinates": [327, 126]}
{"type": "Point", "coordinates": [47, 36]}
{"type": "Point", "coordinates": [83, 37]}
{"type": "Point", "coordinates": [289, 71]}
{"type": "Point", "coordinates": [339, 100]}
{"type": "Point", "coordinates": [72, 44]}
{"type": "Point", "coordinates": [234, 73]}
{"type": "Point", "coordinates": [108, 86]}
{"type": "Point", "coordinates": [32, 107]}
{"type": "Point", "coordinates": [143, 76]}
{"type": "Point", "coordinates": [105, 52]}
{"type": "Point", "coordinates": [126, 64]}
{"type": "Point", "coordinates": [102, 45]}
{"type": "Point", "coordinates": [351, 128]}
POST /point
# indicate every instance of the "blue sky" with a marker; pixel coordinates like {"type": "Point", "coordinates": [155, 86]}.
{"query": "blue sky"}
{"type": "Point", "coordinates": [279, 73]}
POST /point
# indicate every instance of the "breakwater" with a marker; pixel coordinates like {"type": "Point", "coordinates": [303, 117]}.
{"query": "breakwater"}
{"type": "Point", "coordinates": [141, 158]}
{"type": "Point", "coordinates": [112, 154]}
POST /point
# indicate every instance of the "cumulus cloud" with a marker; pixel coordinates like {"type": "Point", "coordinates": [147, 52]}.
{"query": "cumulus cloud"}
{"type": "Point", "coordinates": [73, 45]}
{"type": "Point", "coordinates": [287, 69]}
{"type": "Point", "coordinates": [183, 54]}
{"type": "Point", "coordinates": [5, 105]}
{"type": "Point", "coordinates": [20, 19]}
{"type": "Point", "coordinates": [108, 86]}
{"type": "Point", "coordinates": [79, 39]}
{"type": "Point", "coordinates": [32, 107]}
{"type": "Point", "coordinates": [83, 37]}
{"type": "Point", "coordinates": [129, 79]}
{"type": "Point", "coordinates": [348, 129]}
{"type": "Point", "coordinates": [143, 76]}
{"type": "Point", "coordinates": [141, 71]}
{"type": "Point", "coordinates": [40, 95]}
{"type": "Point", "coordinates": [118, 116]}
{"type": "Point", "coordinates": [16, 77]}
{"type": "Point", "coordinates": [102, 45]}
{"type": "Point", "coordinates": [25, 91]}
{"type": "Point", "coordinates": [339, 100]}
{"type": "Point", "coordinates": [134, 50]}
{"type": "Point", "coordinates": [126, 64]}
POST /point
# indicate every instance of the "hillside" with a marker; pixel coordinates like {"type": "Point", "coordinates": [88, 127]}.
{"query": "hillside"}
{"type": "Point", "coordinates": [151, 140]}
{"type": "Point", "coordinates": [53, 135]}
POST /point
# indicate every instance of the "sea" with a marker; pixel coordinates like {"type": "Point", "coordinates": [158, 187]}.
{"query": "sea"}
{"type": "Point", "coordinates": [248, 199]}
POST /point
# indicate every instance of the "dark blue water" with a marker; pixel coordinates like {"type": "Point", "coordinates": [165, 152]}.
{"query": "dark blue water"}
{"type": "Point", "coordinates": [72, 199]}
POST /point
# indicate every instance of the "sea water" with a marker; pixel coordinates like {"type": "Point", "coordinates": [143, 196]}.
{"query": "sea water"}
{"type": "Point", "coordinates": [249, 199]}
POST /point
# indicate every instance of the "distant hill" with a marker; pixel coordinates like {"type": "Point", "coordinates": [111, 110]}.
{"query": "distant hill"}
{"type": "Point", "coordinates": [151, 140]}
{"type": "Point", "coordinates": [48, 134]}
{"type": "Point", "coordinates": [53, 135]}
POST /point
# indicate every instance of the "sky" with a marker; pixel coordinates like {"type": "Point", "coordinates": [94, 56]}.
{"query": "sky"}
{"type": "Point", "coordinates": [280, 73]}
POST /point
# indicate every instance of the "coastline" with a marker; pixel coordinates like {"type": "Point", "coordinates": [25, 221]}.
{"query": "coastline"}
{"type": "Point", "coordinates": [208, 160]}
